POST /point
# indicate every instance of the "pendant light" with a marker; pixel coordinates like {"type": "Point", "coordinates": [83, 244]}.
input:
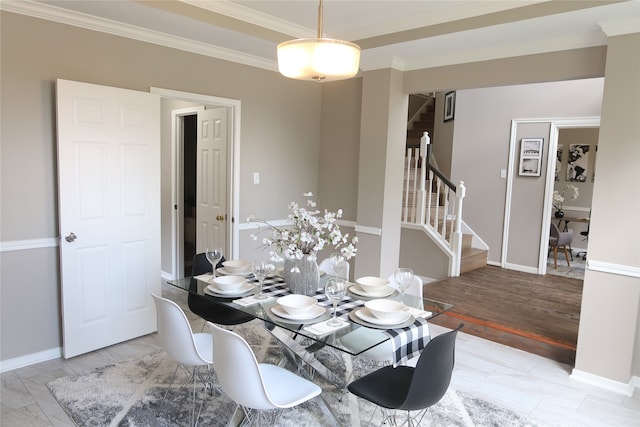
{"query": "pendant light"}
{"type": "Point", "coordinates": [318, 59]}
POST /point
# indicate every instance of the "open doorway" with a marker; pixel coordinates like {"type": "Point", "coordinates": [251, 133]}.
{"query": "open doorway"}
{"type": "Point", "coordinates": [574, 179]}
{"type": "Point", "coordinates": [177, 207]}
{"type": "Point", "coordinates": [189, 189]}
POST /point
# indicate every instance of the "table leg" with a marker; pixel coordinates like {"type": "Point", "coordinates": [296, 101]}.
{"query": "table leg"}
{"type": "Point", "coordinates": [298, 355]}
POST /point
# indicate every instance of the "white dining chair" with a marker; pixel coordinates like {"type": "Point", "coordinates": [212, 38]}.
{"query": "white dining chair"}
{"type": "Point", "coordinates": [253, 385]}
{"type": "Point", "coordinates": [382, 352]}
{"type": "Point", "coordinates": [325, 265]}
{"type": "Point", "coordinates": [190, 351]}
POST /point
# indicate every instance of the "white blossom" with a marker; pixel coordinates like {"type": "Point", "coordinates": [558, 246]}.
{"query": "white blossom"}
{"type": "Point", "coordinates": [559, 198]}
{"type": "Point", "coordinates": [306, 234]}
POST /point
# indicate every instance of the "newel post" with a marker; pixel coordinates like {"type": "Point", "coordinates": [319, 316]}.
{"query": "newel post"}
{"type": "Point", "coordinates": [456, 238]}
{"type": "Point", "coordinates": [425, 142]}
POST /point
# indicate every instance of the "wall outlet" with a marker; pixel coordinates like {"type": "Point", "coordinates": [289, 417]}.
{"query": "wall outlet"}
{"type": "Point", "coordinates": [256, 177]}
{"type": "Point", "coordinates": [503, 173]}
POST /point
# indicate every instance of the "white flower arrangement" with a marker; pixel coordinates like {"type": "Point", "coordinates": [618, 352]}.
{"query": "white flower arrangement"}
{"type": "Point", "coordinates": [559, 198]}
{"type": "Point", "coordinates": [307, 234]}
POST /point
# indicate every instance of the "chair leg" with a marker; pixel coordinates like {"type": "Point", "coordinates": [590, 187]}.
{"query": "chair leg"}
{"type": "Point", "coordinates": [566, 255]}
{"type": "Point", "coordinates": [555, 257]}
{"type": "Point", "coordinates": [164, 398]}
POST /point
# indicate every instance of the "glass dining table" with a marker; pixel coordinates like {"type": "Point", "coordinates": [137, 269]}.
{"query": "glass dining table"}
{"type": "Point", "coordinates": [303, 337]}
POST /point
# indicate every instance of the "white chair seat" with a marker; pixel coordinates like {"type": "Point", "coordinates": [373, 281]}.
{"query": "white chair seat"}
{"type": "Point", "coordinates": [325, 266]}
{"type": "Point", "coordinates": [253, 385]}
{"type": "Point", "coordinates": [286, 389]}
{"type": "Point", "coordinates": [382, 352]}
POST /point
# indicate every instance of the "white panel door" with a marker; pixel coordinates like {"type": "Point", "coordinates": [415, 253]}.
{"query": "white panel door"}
{"type": "Point", "coordinates": [211, 194]}
{"type": "Point", "coordinates": [109, 203]}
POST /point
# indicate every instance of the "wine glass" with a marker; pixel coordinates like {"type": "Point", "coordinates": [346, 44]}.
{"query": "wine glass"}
{"type": "Point", "coordinates": [262, 269]}
{"type": "Point", "coordinates": [214, 255]}
{"type": "Point", "coordinates": [337, 264]}
{"type": "Point", "coordinates": [335, 289]}
{"type": "Point", "coordinates": [404, 278]}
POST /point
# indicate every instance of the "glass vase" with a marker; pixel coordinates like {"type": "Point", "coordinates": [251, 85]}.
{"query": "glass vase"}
{"type": "Point", "coordinates": [305, 281]}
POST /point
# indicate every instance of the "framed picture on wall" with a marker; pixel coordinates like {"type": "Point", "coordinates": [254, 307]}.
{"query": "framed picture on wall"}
{"type": "Point", "coordinates": [449, 105]}
{"type": "Point", "coordinates": [577, 162]}
{"type": "Point", "coordinates": [559, 162]}
{"type": "Point", "coordinates": [530, 156]}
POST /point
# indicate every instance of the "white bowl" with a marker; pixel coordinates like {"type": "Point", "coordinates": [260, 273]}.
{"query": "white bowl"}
{"type": "Point", "coordinates": [229, 283]}
{"type": "Point", "coordinates": [237, 266]}
{"type": "Point", "coordinates": [386, 309]}
{"type": "Point", "coordinates": [373, 285]}
{"type": "Point", "coordinates": [297, 305]}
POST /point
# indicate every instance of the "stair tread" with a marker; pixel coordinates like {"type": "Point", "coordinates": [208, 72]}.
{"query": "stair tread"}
{"type": "Point", "coordinates": [472, 252]}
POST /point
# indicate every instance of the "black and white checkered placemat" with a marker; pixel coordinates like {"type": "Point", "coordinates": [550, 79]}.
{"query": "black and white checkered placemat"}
{"type": "Point", "coordinates": [408, 342]}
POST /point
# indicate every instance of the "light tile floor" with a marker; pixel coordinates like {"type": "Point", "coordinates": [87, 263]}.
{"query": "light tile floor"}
{"type": "Point", "coordinates": [528, 384]}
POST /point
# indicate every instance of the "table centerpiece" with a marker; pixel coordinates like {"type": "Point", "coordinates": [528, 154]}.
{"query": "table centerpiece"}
{"type": "Point", "coordinates": [298, 243]}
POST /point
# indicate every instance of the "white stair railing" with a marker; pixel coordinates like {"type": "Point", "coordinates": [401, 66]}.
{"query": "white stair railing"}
{"type": "Point", "coordinates": [432, 201]}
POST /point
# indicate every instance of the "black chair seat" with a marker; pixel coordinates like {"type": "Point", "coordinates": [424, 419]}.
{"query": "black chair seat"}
{"type": "Point", "coordinates": [396, 380]}
{"type": "Point", "coordinates": [214, 312]}
{"type": "Point", "coordinates": [412, 389]}
{"type": "Point", "coordinates": [207, 307]}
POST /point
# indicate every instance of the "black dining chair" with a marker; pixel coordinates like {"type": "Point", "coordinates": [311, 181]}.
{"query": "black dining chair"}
{"type": "Point", "coordinates": [207, 307]}
{"type": "Point", "coordinates": [406, 388]}
{"type": "Point", "coordinates": [585, 234]}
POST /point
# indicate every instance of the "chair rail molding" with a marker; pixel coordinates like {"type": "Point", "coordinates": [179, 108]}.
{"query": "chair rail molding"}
{"type": "Point", "coordinates": [21, 245]}
{"type": "Point", "coordinates": [611, 268]}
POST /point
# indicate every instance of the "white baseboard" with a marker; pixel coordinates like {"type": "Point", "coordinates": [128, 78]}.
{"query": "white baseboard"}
{"type": "Point", "coordinates": [606, 383]}
{"type": "Point", "coordinates": [30, 359]}
{"type": "Point", "coordinates": [522, 268]}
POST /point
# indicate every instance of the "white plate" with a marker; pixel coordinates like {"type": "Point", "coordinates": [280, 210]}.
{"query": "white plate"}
{"type": "Point", "coordinates": [364, 314]}
{"type": "Point", "coordinates": [245, 287]}
{"type": "Point", "coordinates": [224, 272]}
{"type": "Point", "coordinates": [356, 289]}
{"type": "Point", "coordinates": [314, 312]}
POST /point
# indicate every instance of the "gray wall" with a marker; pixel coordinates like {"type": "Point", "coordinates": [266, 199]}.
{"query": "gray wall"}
{"type": "Point", "coordinates": [609, 336]}
{"type": "Point", "coordinates": [282, 138]}
{"type": "Point", "coordinates": [279, 138]}
{"type": "Point", "coordinates": [481, 149]}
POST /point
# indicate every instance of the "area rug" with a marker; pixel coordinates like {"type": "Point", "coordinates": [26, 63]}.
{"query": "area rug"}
{"type": "Point", "coordinates": [575, 271]}
{"type": "Point", "coordinates": [128, 394]}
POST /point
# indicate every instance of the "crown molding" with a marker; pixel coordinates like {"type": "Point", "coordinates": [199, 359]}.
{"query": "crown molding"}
{"type": "Point", "coordinates": [243, 13]}
{"type": "Point", "coordinates": [371, 62]}
{"type": "Point", "coordinates": [52, 13]}
{"type": "Point", "coordinates": [620, 27]}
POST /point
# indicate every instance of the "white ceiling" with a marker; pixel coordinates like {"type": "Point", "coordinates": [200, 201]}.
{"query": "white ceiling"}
{"type": "Point", "coordinates": [407, 35]}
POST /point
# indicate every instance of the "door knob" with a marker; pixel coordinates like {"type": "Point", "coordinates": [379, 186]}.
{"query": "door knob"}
{"type": "Point", "coordinates": [70, 237]}
{"type": "Point", "coordinates": [220, 217]}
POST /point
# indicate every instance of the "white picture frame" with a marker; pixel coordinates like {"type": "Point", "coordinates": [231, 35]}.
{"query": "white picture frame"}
{"type": "Point", "coordinates": [449, 106]}
{"type": "Point", "coordinates": [531, 156]}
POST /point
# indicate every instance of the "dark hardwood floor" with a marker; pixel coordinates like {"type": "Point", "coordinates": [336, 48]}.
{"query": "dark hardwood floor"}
{"type": "Point", "coordinates": [538, 314]}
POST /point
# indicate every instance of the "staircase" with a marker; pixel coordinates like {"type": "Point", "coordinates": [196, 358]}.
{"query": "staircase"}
{"type": "Point", "coordinates": [471, 258]}
{"type": "Point", "coordinates": [424, 123]}
{"type": "Point", "coordinates": [442, 200]}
